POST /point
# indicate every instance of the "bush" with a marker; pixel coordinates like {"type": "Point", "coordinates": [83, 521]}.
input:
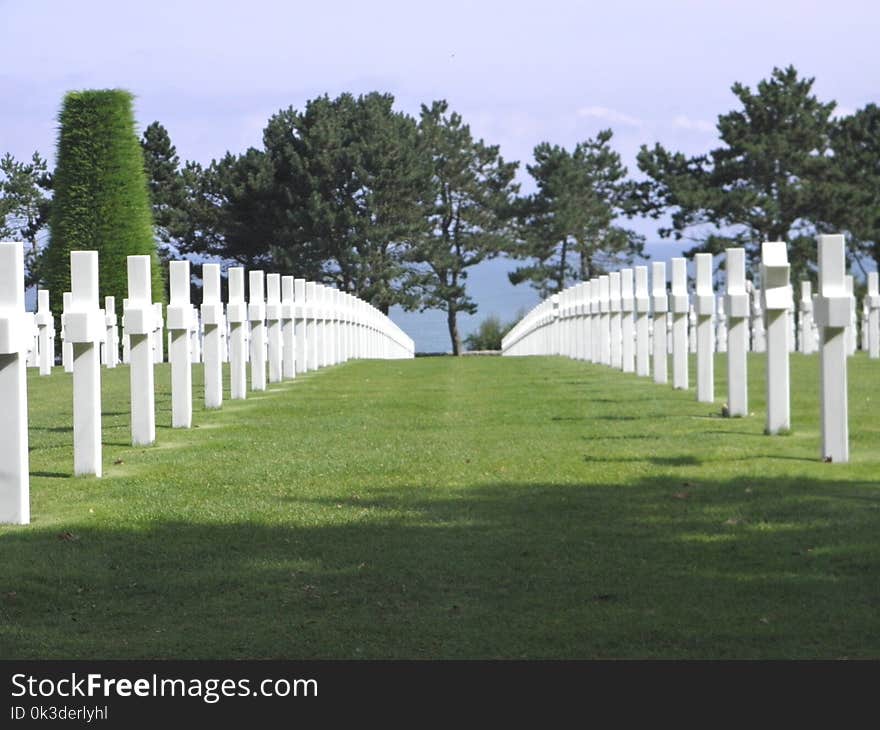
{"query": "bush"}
{"type": "Point", "coordinates": [488, 335]}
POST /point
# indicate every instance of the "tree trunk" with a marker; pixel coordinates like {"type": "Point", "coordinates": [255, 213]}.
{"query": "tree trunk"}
{"type": "Point", "coordinates": [452, 322]}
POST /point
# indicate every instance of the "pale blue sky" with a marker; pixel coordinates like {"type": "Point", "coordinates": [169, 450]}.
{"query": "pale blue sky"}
{"type": "Point", "coordinates": [519, 72]}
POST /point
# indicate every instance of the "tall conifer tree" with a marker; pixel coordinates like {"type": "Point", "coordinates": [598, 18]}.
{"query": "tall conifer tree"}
{"type": "Point", "coordinates": [101, 198]}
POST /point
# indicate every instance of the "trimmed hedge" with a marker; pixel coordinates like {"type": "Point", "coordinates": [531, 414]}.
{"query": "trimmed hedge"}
{"type": "Point", "coordinates": [101, 201]}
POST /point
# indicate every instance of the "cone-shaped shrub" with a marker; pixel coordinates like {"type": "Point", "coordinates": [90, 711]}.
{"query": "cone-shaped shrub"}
{"type": "Point", "coordinates": [101, 200]}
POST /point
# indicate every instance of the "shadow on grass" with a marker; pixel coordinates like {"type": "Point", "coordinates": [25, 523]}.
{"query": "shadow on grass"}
{"type": "Point", "coordinates": [723, 569]}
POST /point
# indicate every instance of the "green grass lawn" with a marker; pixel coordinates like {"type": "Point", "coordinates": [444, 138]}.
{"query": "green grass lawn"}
{"type": "Point", "coordinates": [451, 508]}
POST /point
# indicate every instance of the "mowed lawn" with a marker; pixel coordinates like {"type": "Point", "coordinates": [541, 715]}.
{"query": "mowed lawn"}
{"type": "Point", "coordinates": [478, 507]}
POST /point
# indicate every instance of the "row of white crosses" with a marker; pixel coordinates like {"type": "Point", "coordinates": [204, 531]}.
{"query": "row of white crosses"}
{"type": "Point", "coordinates": [305, 326]}
{"type": "Point", "coordinates": [612, 319]}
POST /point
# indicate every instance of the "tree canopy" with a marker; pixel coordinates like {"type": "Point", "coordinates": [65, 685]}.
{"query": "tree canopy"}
{"type": "Point", "coordinates": [766, 182]}
{"type": "Point", "coordinates": [471, 201]}
{"type": "Point", "coordinates": [24, 207]}
{"type": "Point", "coordinates": [568, 226]}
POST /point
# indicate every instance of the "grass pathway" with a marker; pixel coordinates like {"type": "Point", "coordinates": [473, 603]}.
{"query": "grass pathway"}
{"type": "Point", "coordinates": [450, 508]}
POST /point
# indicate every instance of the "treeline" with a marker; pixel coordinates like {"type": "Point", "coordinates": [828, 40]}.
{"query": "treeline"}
{"type": "Point", "coordinates": [397, 209]}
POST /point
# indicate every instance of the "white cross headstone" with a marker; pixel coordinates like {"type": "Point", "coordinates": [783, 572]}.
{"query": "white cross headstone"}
{"type": "Point", "coordinates": [179, 323]}
{"type": "Point", "coordinates": [288, 333]}
{"type": "Point", "coordinates": [111, 338]}
{"type": "Point", "coordinates": [300, 326]}
{"type": "Point", "coordinates": [605, 320]}
{"type": "Point", "coordinates": [851, 336]}
{"type": "Point", "coordinates": [627, 305]}
{"type": "Point", "coordinates": [214, 323]}
{"type": "Point", "coordinates": [46, 329]}
{"type": "Point", "coordinates": [330, 325]}
{"type": "Point", "coordinates": [236, 314]}
{"type": "Point", "coordinates": [84, 327]}
{"type": "Point", "coordinates": [864, 326]}
{"type": "Point", "coordinates": [578, 321]}
{"type": "Point", "coordinates": [126, 341]}
{"type": "Point", "coordinates": [873, 316]}
{"type": "Point", "coordinates": [642, 303]}
{"type": "Point", "coordinates": [138, 315]}
{"type": "Point", "coordinates": [679, 305]}
{"type": "Point", "coordinates": [586, 324]}
{"type": "Point", "coordinates": [595, 320]}
{"type": "Point", "coordinates": [692, 330]}
{"type": "Point", "coordinates": [759, 333]}
{"type": "Point", "coordinates": [14, 462]}
{"type": "Point", "coordinates": [737, 307]}
{"type": "Point", "coordinates": [66, 345]}
{"type": "Point", "coordinates": [553, 329]}
{"type": "Point", "coordinates": [273, 326]}
{"type": "Point", "coordinates": [32, 358]}
{"type": "Point", "coordinates": [721, 325]}
{"type": "Point", "coordinates": [310, 308]}
{"type": "Point", "coordinates": [158, 341]}
{"type": "Point", "coordinates": [805, 329]}
{"type": "Point", "coordinates": [776, 301]}
{"type": "Point", "coordinates": [660, 305]}
{"type": "Point", "coordinates": [257, 319]}
{"type": "Point", "coordinates": [614, 318]}
{"type": "Point", "coordinates": [832, 310]}
{"type": "Point", "coordinates": [704, 310]}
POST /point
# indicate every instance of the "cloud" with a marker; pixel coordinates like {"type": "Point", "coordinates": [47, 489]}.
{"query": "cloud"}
{"type": "Point", "coordinates": [693, 125]}
{"type": "Point", "coordinates": [609, 115]}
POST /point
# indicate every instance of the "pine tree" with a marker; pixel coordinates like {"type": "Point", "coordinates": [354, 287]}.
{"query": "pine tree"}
{"type": "Point", "coordinates": [765, 183]}
{"type": "Point", "coordinates": [568, 226]}
{"type": "Point", "coordinates": [468, 213]}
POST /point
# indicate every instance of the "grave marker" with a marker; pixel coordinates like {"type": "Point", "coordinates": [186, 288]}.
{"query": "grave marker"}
{"type": "Point", "coordinates": [595, 322]}
{"type": "Point", "coordinates": [643, 309]}
{"type": "Point", "coordinates": [214, 324]}
{"type": "Point", "coordinates": [46, 332]}
{"type": "Point", "coordinates": [179, 323]}
{"type": "Point", "coordinates": [158, 340]}
{"type": "Point", "coordinates": [721, 326]}
{"type": "Point", "coordinates": [832, 311]}
{"type": "Point", "coordinates": [776, 301]}
{"type": "Point", "coordinates": [138, 314]}
{"type": "Point", "coordinates": [300, 325]}
{"type": "Point", "coordinates": [66, 345]}
{"type": "Point", "coordinates": [660, 304]}
{"type": "Point", "coordinates": [310, 309]}
{"type": "Point", "coordinates": [257, 319]}
{"type": "Point", "coordinates": [627, 304]}
{"type": "Point", "coordinates": [273, 326]}
{"type": "Point", "coordinates": [680, 307]}
{"type": "Point", "coordinates": [288, 334]}
{"type": "Point", "coordinates": [614, 319]}
{"type": "Point", "coordinates": [738, 306]}
{"type": "Point", "coordinates": [704, 310]}
{"type": "Point", "coordinates": [605, 320]}
{"type": "Point", "coordinates": [805, 330]}
{"type": "Point", "coordinates": [851, 327]}
{"type": "Point", "coordinates": [14, 462]}
{"type": "Point", "coordinates": [84, 324]}
{"type": "Point", "coordinates": [111, 336]}
{"type": "Point", "coordinates": [586, 322]}
{"type": "Point", "coordinates": [759, 333]}
{"type": "Point", "coordinates": [237, 316]}
{"type": "Point", "coordinates": [873, 316]}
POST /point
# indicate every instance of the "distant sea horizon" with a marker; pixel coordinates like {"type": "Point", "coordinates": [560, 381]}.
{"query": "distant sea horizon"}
{"type": "Point", "coordinates": [488, 285]}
